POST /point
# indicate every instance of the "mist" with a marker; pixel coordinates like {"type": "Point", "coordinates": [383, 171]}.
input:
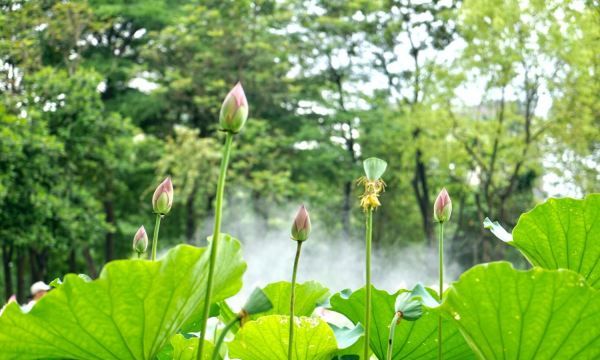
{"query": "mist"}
{"type": "Point", "coordinates": [335, 262]}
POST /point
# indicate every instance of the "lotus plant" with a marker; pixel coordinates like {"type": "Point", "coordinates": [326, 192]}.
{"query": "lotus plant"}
{"type": "Point", "coordinates": [140, 241]}
{"type": "Point", "coordinates": [257, 303]}
{"type": "Point", "coordinates": [162, 201]}
{"type": "Point", "coordinates": [409, 307]}
{"type": "Point", "coordinates": [369, 201]}
{"type": "Point", "coordinates": [300, 232]}
{"type": "Point", "coordinates": [442, 209]}
{"type": "Point", "coordinates": [233, 116]}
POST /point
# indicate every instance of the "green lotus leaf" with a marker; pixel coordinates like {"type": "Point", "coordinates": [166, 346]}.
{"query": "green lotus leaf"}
{"type": "Point", "coordinates": [267, 339]}
{"type": "Point", "coordinates": [350, 342]}
{"type": "Point", "coordinates": [308, 296]}
{"type": "Point", "coordinates": [130, 312]}
{"type": "Point", "coordinates": [374, 168]}
{"type": "Point", "coordinates": [182, 348]}
{"type": "Point", "coordinates": [536, 314]}
{"type": "Point", "coordinates": [562, 234]}
{"type": "Point", "coordinates": [412, 339]}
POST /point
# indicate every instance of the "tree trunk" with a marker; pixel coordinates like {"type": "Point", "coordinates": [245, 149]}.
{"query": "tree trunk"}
{"type": "Point", "coordinates": [21, 291]}
{"type": "Point", "coordinates": [34, 264]}
{"type": "Point", "coordinates": [89, 260]}
{"type": "Point", "coordinates": [72, 261]}
{"type": "Point", "coordinates": [347, 209]}
{"type": "Point", "coordinates": [421, 189]}
{"type": "Point", "coordinates": [190, 224]}
{"type": "Point", "coordinates": [109, 247]}
{"type": "Point", "coordinates": [7, 251]}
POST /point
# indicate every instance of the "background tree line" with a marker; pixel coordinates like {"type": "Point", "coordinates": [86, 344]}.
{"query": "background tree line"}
{"type": "Point", "coordinates": [495, 100]}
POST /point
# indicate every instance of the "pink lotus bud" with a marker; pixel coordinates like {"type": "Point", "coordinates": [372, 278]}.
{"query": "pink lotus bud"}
{"type": "Point", "coordinates": [234, 111]}
{"type": "Point", "coordinates": [301, 225]}
{"type": "Point", "coordinates": [162, 200]}
{"type": "Point", "coordinates": [140, 240]}
{"type": "Point", "coordinates": [442, 209]}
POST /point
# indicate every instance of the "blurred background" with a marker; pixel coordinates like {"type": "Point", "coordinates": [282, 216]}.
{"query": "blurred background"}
{"type": "Point", "coordinates": [499, 101]}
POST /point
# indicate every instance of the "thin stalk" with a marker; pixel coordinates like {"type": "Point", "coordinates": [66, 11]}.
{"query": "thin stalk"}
{"type": "Point", "coordinates": [441, 256]}
{"type": "Point", "coordinates": [293, 299]}
{"type": "Point", "coordinates": [219, 342]}
{"type": "Point", "coordinates": [155, 237]}
{"type": "Point", "coordinates": [215, 240]}
{"type": "Point", "coordinates": [395, 322]}
{"type": "Point", "coordinates": [368, 238]}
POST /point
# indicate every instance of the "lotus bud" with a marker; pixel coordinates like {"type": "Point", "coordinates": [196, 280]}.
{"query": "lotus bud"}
{"type": "Point", "coordinates": [140, 240]}
{"type": "Point", "coordinates": [162, 200]}
{"type": "Point", "coordinates": [301, 225]}
{"type": "Point", "coordinates": [234, 111]}
{"type": "Point", "coordinates": [442, 209]}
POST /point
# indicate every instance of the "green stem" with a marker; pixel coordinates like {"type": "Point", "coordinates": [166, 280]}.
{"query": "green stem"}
{"type": "Point", "coordinates": [293, 300]}
{"type": "Point", "coordinates": [441, 266]}
{"type": "Point", "coordinates": [215, 240]}
{"type": "Point", "coordinates": [155, 237]}
{"type": "Point", "coordinates": [368, 237]}
{"type": "Point", "coordinates": [395, 322]}
{"type": "Point", "coordinates": [219, 342]}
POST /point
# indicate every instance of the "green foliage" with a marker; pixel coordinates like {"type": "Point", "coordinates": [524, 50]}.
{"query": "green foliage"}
{"type": "Point", "coordinates": [308, 296]}
{"type": "Point", "coordinates": [130, 312]}
{"type": "Point", "coordinates": [182, 348]}
{"type": "Point", "coordinates": [412, 339]}
{"type": "Point", "coordinates": [266, 339]}
{"type": "Point", "coordinates": [535, 314]}
{"type": "Point", "coordinates": [560, 234]}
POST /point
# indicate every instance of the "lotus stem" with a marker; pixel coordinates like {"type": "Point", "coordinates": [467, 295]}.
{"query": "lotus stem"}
{"type": "Point", "coordinates": [369, 237]}
{"type": "Point", "coordinates": [395, 322]}
{"type": "Point", "coordinates": [215, 240]}
{"type": "Point", "coordinates": [219, 342]}
{"type": "Point", "coordinates": [155, 236]}
{"type": "Point", "coordinates": [293, 299]}
{"type": "Point", "coordinates": [441, 266]}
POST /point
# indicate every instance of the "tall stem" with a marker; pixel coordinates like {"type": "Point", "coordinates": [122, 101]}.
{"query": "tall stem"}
{"type": "Point", "coordinates": [368, 238]}
{"type": "Point", "coordinates": [219, 342]}
{"type": "Point", "coordinates": [395, 322]}
{"type": "Point", "coordinates": [293, 300]}
{"type": "Point", "coordinates": [155, 237]}
{"type": "Point", "coordinates": [441, 266]}
{"type": "Point", "coordinates": [215, 240]}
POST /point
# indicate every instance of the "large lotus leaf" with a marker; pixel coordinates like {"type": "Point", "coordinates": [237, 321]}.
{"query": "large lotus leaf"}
{"type": "Point", "coordinates": [267, 339]}
{"type": "Point", "coordinates": [562, 234]}
{"type": "Point", "coordinates": [412, 339]}
{"type": "Point", "coordinates": [308, 296]}
{"type": "Point", "coordinates": [182, 348]}
{"type": "Point", "coordinates": [130, 312]}
{"type": "Point", "coordinates": [537, 314]}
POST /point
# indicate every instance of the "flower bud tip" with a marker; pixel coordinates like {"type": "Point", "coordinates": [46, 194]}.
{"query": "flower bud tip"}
{"type": "Point", "coordinates": [140, 240]}
{"type": "Point", "coordinates": [301, 225]}
{"type": "Point", "coordinates": [162, 200]}
{"type": "Point", "coordinates": [234, 111]}
{"type": "Point", "coordinates": [442, 208]}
